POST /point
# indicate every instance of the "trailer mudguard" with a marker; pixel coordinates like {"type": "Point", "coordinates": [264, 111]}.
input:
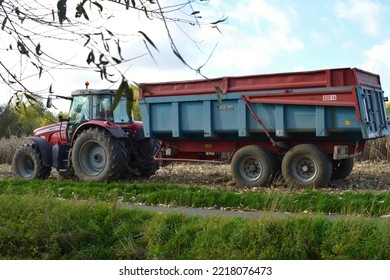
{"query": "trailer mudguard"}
{"type": "Point", "coordinates": [45, 149]}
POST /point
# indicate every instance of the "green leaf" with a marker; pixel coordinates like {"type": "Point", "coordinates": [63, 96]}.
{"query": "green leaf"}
{"type": "Point", "coordinates": [30, 97]}
{"type": "Point", "coordinates": [102, 60]}
{"type": "Point", "coordinates": [61, 10]}
{"type": "Point", "coordinates": [81, 11]}
{"type": "Point", "coordinates": [38, 49]}
{"type": "Point", "coordinates": [22, 48]}
{"type": "Point", "coordinates": [119, 49]}
{"type": "Point", "coordinates": [4, 22]}
{"type": "Point", "coordinates": [89, 39]}
{"type": "Point", "coordinates": [130, 100]}
{"type": "Point", "coordinates": [148, 39]}
{"type": "Point", "coordinates": [118, 95]}
{"type": "Point", "coordinates": [91, 58]}
{"type": "Point", "coordinates": [117, 61]}
{"type": "Point", "coordinates": [98, 5]}
{"type": "Point", "coordinates": [150, 53]}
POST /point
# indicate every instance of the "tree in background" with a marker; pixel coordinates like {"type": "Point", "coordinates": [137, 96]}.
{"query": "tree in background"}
{"type": "Point", "coordinates": [9, 120]}
{"type": "Point", "coordinates": [22, 120]}
{"type": "Point", "coordinates": [32, 26]}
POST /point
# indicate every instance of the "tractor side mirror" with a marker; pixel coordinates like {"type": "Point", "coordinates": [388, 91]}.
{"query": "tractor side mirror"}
{"type": "Point", "coordinates": [49, 102]}
{"type": "Point", "coordinates": [61, 119]}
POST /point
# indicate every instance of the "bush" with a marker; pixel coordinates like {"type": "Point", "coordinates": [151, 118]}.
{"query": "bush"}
{"type": "Point", "coordinates": [378, 149]}
{"type": "Point", "coordinates": [8, 147]}
{"type": "Point", "coordinates": [38, 227]}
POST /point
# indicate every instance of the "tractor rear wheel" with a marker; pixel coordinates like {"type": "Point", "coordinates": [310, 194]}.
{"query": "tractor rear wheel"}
{"type": "Point", "coordinates": [97, 156]}
{"type": "Point", "coordinates": [148, 148]}
{"type": "Point", "coordinates": [27, 163]}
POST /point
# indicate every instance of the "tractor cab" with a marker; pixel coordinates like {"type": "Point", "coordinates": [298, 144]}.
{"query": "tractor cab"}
{"type": "Point", "coordinates": [88, 105]}
{"type": "Point", "coordinates": [96, 105]}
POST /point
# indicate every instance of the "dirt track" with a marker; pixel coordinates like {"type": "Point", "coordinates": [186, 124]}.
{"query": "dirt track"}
{"type": "Point", "coordinates": [365, 175]}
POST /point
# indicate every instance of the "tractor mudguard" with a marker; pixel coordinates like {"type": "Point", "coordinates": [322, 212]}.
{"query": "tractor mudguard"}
{"type": "Point", "coordinates": [139, 130]}
{"type": "Point", "coordinates": [45, 149]}
{"type": "Point", "coordinates": [117, 132]}
{"type": "Point", "coordinates": [114, 130]}
{"type": "Point", "coordinates": [139, 135]}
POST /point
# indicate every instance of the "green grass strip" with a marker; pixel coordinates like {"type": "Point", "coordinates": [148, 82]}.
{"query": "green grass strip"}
{"type": "Point", "coordinates": [367, 203]}
{"type": "Point", "coordinates": [41, 227]}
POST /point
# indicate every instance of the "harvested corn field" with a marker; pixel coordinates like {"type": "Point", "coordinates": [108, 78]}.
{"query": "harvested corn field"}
{"type": "Point", "coordinates": [373, 175]}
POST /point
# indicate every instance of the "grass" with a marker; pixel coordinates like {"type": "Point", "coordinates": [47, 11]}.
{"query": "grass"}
{"type": "Point", "coordinates": [363, 203]}
{"type": "Point", "coordinates": [40, 227]}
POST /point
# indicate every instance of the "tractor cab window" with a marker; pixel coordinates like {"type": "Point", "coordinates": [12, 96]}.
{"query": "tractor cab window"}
{"type": "Point", "coordinates": [120, 112]}
{"type": "Point", "coordinates": [79, 111]}
{"type": "Point", "coordinates": [102, 107]}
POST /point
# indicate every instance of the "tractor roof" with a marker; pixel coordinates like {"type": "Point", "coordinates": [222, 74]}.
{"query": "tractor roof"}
{"type": "Point", "coordinates": [80, 92]}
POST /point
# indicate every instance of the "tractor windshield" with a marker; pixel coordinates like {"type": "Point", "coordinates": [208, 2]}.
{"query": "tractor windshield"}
{"type": "Point", "coordinates": [79, 111]}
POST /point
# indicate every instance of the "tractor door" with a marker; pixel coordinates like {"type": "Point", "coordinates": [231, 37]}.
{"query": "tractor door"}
{"type": "Point", "coordinates": [79, 113]}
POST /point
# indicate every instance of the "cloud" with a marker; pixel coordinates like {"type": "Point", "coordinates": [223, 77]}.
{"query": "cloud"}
{"type": "Point", "coordinates": [377, 60]}
{"type": "Point", "coordinates": [365, 13]}
{"type": "Point", "coordinates": [257, 34]}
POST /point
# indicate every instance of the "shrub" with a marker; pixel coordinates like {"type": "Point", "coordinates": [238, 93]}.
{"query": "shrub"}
{"type": "Point", "coordinates": [8, 147]}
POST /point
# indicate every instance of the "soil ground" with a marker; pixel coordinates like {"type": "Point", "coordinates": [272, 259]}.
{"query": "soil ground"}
{"type": "Point", "coordinates": [374, 175]}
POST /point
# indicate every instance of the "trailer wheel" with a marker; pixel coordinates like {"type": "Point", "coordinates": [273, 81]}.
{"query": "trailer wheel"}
{"type": "Point", "coordinates": [27, 163]}
{"type": "Point", "coordinates": [252, 166]}
{"type": "Point", "coordinates": [342, 168]}
{"type": "Point", "coordinates": [97, 156]}
{"type": "Point", "coordinates": [306, 165]}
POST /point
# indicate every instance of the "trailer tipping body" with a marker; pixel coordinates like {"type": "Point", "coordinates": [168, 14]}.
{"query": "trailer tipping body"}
{"type": "Point", "coordinates": [333, 110]}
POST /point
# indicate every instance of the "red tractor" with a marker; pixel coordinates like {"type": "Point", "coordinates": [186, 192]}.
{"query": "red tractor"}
{"type": "Point", "coordinates": [94, 144]}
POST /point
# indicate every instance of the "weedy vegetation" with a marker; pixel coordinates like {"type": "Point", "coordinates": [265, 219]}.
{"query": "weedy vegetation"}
{"type": "Point", "coordinates": [61, 219]}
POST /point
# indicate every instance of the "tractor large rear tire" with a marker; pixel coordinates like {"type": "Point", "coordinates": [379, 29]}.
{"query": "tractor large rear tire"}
{"type": "Point", "coordinates": [98, 156]}
{"type": "Point", "coordinates": [148, 148]}
{"type": "Point", "coordinates": [27, 163]}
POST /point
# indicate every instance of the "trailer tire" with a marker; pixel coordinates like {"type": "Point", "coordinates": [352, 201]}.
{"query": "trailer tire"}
{"type": "Point", "coordinates": [97, 156]}
{"type": "Point", "coordinates": [342, 168]}
{"type": "Point", "coordinates": [27, 163]}
{"type": "Point", "coordinates": [252, 166]}
{"type": "Point", "coordinates": [306, 165]}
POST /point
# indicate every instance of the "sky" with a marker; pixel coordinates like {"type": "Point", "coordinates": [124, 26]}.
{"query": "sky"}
{"type": "Point", "coordinates": [260, 36]}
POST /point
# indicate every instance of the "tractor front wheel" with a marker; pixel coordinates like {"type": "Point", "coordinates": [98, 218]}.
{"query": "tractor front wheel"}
{"type": "Point", "coordinates": [97, 156]}
{"type": "Point", "coordinates": [27, 163]}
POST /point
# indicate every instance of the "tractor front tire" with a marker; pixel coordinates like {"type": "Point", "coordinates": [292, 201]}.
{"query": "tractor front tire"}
{"type": "Point", "coordinates": [27, 163]}
{"type": "Point", "coordinates": [98, 156]}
